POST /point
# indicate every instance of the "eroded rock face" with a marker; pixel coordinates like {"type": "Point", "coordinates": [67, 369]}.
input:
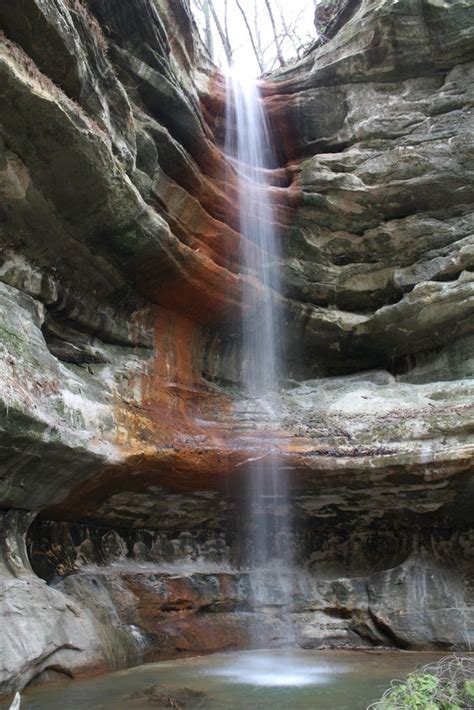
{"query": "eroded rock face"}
{"type": "Point", "coordinates": [125, 439]}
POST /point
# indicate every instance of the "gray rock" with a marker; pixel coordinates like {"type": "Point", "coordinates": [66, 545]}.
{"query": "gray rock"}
{"type": "Point", "coordinates": [124, 432]}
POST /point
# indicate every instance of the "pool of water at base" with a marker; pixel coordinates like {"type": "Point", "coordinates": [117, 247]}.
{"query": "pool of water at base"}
{"type": "Point", "coordinates": [247, 680]}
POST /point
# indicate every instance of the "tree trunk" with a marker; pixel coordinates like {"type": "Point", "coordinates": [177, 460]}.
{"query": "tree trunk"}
{"type": "Point", "coordinates": [209, 38]}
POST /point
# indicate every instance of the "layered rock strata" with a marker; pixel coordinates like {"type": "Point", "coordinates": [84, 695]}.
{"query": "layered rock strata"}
{"type": "Point", "coordinates": [124, 434]}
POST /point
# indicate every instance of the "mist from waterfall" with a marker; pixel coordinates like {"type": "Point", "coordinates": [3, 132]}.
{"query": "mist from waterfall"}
{"type": "Point", "coordinates": [267, 551]}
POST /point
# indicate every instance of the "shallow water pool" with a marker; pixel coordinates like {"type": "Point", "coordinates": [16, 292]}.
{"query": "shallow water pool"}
{"type": "Point", "coordinates": [277, 680]}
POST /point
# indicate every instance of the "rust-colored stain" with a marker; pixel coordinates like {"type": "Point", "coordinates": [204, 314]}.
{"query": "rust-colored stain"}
{"type": "Point", "coordinates": [170, 609]}
{"type": "Point", "coordinates": [173, 429]}
{"type": "Point", "coordinates": [166, 424]}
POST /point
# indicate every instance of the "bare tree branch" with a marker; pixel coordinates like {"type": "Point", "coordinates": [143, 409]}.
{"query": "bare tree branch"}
{"type": "Point", "coordinates": [251, 37]}
{"type": "Point", "coordinates": [222, 31]}
{"type": "Point", "coordinates": [275, 29]}
{"type": "Point", "coordinates": [275, 34]}
{"type": "Point", "coordinates": [258, 37]}
{"type": "Point", "coordinates": [287, 29]}
{"type": "Point", "coordinates": [226, 17]}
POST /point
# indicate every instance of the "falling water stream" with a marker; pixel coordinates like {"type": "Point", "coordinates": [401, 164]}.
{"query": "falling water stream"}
{"type": "Point", "coordinates": [267, 548]}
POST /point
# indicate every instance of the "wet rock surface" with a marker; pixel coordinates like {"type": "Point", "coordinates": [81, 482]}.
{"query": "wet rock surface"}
{"type": "Point", "coordinates": [161, 697]}
{"type": "Point", "coordinates": [124, 435]}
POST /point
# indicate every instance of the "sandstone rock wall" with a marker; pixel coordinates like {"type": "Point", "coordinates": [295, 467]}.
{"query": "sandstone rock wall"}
{"type": "Point", "coordinates": [123, 435]}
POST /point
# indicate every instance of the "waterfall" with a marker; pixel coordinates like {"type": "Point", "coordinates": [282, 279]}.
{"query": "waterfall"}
{"type": "Point", "coordinates": [266, 544]}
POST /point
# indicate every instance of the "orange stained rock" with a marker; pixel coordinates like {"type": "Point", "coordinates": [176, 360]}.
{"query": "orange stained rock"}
{"type": "Point", "coordinates": [194, 225]}
{"type": "Point", "coordinates": [175, 406]}
{"type": "Point", "coordinates": [172, 429]}
{"type": "Point", "coordinates": [213, 101]}
{"type": "Point", "coordinates": [198, 288]}
{"type": "Point", "coordinates": [166, 424]}
{"type": "Point", "coordinates": [278, 108]}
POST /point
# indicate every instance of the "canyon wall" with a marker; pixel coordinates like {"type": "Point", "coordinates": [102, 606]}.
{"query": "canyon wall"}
{"type": "Point", "coordinates": [124, 434]}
